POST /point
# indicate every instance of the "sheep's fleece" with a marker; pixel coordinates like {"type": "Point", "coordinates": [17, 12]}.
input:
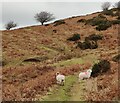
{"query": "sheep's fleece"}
{"type": "Point", "coordinates": [60, 79]}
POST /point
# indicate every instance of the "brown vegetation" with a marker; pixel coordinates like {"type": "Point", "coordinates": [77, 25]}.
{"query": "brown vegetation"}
{"type": "Point", "coordinates": [22, 81]}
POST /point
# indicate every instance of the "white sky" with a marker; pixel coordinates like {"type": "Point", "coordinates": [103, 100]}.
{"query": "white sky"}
{"type": "Point", "coordinates": [23, 12]}
{"type": "Point", "coordinates": [59, 0]}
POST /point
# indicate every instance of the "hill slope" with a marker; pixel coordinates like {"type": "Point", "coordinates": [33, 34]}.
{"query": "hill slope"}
{"type": "Point", "coordinates": [32, 56]}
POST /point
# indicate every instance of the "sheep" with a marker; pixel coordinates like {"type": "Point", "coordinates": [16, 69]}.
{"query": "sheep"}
{"type": "Point", "coordinates": [85, 75]}
{"type": "Point", "coordinates": [60, 78]}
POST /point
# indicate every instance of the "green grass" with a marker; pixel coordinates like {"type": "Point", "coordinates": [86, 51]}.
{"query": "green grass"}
{"type": "Point", "coordinates": [47, 48]}
{"type": "Point", "coordinates": [88, 58]}
{"type": "Point", "coordinates": [61, 93]}
{"type": "Point", "coordinates": [69, 62]}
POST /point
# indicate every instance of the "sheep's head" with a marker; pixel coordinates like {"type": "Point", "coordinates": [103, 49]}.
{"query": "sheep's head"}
{"type": "Point", "coordinates": [57, 73]}
{"type": "Point", "coordinates": [89, 70]}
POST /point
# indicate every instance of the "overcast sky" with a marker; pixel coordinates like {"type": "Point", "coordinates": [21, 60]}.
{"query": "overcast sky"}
{"type": "Point", "coordinates": [23, 12]}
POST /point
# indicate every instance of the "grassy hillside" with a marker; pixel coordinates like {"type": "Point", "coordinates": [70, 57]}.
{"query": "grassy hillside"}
{"type": "Point", "coordinates": [32, 55]}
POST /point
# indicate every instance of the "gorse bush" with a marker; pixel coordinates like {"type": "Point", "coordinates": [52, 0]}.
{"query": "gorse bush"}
{"type": "Point", "coordinates": [101, 16]}
{"type": "Point", "coordinates": [95, 70]}
{"type": "Point", "coordinates": [115, 22]}
{"type": "Point", "coordinates": [87, 44]}
{"type": "Point", "coordinates": [101, 21]}
{"type": "Point", "coordinates": [108, 12]}
{"type": "Point", "coordinates": [59, 22]}
{"type": "Point", "coordinates": [74, 37]}
{"type": "Point", "coordinates": [104, 25]}
{"type": "Point", "coordinates": [96, 20]}
{"type": "Point", "coordinates": [94, 37]}
{"type": "Point", "coordinates": [90, 42]}
{"type": "Point", "coordinates": [101, 67]}
{"type": "Point", "coordinates": [104, 65]}
{"type": "Point", "coordinates": [93, 44]}
{"type": "Point", "coordinates": [81, 20]}
{"type": "Point", "coordinates": [83, 45]}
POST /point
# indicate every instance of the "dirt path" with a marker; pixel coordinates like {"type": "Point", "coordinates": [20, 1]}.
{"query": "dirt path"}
{"type": "Point", "coordinates": [80, 89]}
{"type": "Point", "coordinates": [60, 93]}
{"type": "Point", "coordinates": [73, 90]}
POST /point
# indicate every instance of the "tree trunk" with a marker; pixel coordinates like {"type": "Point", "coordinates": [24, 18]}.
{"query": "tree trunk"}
{"type": "Point", "coordinates": [42, 23]}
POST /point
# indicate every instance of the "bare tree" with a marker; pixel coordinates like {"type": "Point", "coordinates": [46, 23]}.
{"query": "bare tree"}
{"type": "Point", "coordinates": [117, 5]}
{"type": "Point", "coordinates": [10, 25]}
{"type": "Point", "coordinates": [44, 16]}
{"type": "Point", "coordinates": [105, 6]}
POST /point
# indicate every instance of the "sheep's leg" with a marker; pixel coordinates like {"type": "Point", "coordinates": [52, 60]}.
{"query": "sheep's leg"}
{"type": "Point", "coordinates": [58, 82]}
{"type": "Point", "coordinates": [63, 83]}
{"type": "Point", "coordinates": [80, 79]}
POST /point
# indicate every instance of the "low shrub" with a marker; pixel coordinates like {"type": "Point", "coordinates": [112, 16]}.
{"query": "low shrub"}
{"type": "Point", "coordinates": [98, 22]}
{"type": "Point", "coordinates": [88, 44]}
{"type": "Point", "coordinates": [94, 37]}
{"type": "Point", "coordinates": [59, 22]}
{"type": "Point", "coordinates": [95, 70]}
{"type": "Point", "coordinates": [104, 65]}
{"type": "Point", "coordinates": [108, 12]}
{"type": "Point", "coordinates": [101, 67]}
{"type": "Point", "coordinates": [101, 16]}
{"type": "Point", "coordinates": [100, 19]}
{"type": "Point", "coordinates": [104, 25]}
{"type": "Point", "coordinates": [115, 22]}
{"type": "Point", "coordinates": [81, 20]}
{"type": "Point", "coordinates": [88, 22]}
{"type": "Point", "coordinates": [83, 45]}
{"type": "Point", "coordinates": [75, 37]}
{"type": "Point", "coordinates": [93, 44]}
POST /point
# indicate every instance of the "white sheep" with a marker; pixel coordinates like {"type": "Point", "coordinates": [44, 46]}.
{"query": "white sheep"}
{"type": "Point", "coordinates": [60, 78]}
{"type": "Point", "coordinates": [85, 75]}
